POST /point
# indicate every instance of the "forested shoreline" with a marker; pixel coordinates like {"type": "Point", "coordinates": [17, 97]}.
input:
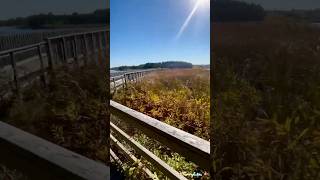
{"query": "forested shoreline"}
{"type": "Point", "coordinates": [50, 20]}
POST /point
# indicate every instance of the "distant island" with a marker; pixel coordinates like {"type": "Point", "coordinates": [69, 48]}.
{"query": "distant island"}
{"type": "Point", "coordinates": [50, 20]}
{"type": "Point", "coordinates": [167, 64]}
{"type": "Point", "coordinates": [240, 11]}
{"type": "Point", "coordinates": [236, 11]}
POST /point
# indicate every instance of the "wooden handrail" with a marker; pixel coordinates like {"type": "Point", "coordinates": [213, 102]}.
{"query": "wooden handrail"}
{"type": "Point", "coordinates": [157, 162]}
{"type": "Point", "coordinates": [52, 61]}
{"type": "Point", "coordinates": [78, 34]}
{"type": "Point", "coordinates": [130, 156]}
{"type": "Point", "coordinates": [40, 159]}
{"type": "Point", "coordinates": [31, 46]}
{"type": "Point", "coordinates": [192, 147]}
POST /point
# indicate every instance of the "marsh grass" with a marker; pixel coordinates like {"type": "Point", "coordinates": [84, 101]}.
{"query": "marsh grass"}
{"type": "Point", "coordinates": [266, 120]}
{"type": "Point", "coordinates": [177, 97]}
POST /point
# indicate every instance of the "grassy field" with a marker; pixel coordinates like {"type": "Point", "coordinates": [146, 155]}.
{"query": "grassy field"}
{"type": "Point", "coordinates": [177, 97]}
{"type": "Point", "coordinates": [266, 122]}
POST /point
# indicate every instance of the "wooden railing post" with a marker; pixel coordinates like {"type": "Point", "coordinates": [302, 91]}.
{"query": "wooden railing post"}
{"type": "Point", "coordinates": [75, 53]}
{"type": "Point", "coordinates": [14, 69]}
{"type": "Point", "coordinates": [86, 49]}
{"type": "Point", "coordinates": [42, 77]}
{"type": "Point", "coordinates": [138, 76]}
{"type": "Point", "coordinates": [93, 43]}
{"type": "Point", "coordinates": [114, 85]}
{"type": "Point", "coordinates": [64, 45]}
{"type": "Point", "coordinates": [99, 40]}
{"type": "Point", "coordinates": [125, 79]}
{"type": "Point", "coordinates": [93, 48]}
{"type": "Point", "coordinates": [50, 55]}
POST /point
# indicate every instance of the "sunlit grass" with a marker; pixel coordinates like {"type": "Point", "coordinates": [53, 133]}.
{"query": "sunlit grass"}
{"type": "Point", "coordinates": [177, 97]}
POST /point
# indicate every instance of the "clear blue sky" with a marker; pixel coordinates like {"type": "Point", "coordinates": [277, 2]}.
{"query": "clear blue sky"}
{"type": "Point", "coordinates": [146, 31]}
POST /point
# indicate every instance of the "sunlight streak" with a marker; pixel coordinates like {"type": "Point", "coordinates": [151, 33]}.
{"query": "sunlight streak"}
{"type": "Point", "coordinates": [186, 22]}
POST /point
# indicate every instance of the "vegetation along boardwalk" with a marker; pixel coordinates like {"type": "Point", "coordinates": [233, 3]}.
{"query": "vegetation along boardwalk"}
{"type": "Point", "coordinates": [193, 148]}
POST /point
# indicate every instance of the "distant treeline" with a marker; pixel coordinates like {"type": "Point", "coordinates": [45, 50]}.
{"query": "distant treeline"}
{"type": "Point", "coordinates": [51, 20]}
{"type": "Point", "coordinates": [233, 11]}
{"type": "Point", "coordinates": [304, 15]}
{"type": "Point", "coordinates": [168, 64]}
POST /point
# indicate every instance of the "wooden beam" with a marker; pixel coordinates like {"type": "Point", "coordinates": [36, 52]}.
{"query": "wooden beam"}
{"type": "Point", "coordinates": [157, 162]}
{"type": "Point", "coordinates": [15, 74]}
{"type": "Point", "coordinates": [192, 147]}
{"type": "Point", "coordinates": [50, 54]}
{"type": "Point", "coordinates": [42, 69]}
{"type": "Point", "coordinates": [40, 159]}
{"type": "Point", "coordinates": [130, 156]}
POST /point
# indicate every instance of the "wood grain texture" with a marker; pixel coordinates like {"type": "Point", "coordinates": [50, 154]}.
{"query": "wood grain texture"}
{"type": "Point", "coordinates": [41, 153]}
{"type": "Point", "coordinates": [192, 147]}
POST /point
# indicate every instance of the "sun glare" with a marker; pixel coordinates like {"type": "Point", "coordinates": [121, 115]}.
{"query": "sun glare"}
{"type": "Point", "coordinates": [198, 3]}
{"type": "Point", "coordinates": [202, 1]}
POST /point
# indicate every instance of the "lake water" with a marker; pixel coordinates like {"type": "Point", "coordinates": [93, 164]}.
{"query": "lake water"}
{"type": "Point", "coordinates": [5, 30]}
{"type": "Point", "coordinates": [9, 30]}
{"type": "Point", "coordinates": [116, 73]}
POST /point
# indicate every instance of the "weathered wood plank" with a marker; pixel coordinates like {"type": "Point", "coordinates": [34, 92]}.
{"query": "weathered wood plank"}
{"type": "Point", "coordinates": [157, 162]}
{"type": "Point", "coordinates": [41, 159]}
{"type": "Point", "coordinates": [130, 156]}
{"type": "Point", "coordinates": [192, 147]}
{"type": "Point", "coordinates": [42, 69]}
{"type": "Point", "coordinates": [14, 69]}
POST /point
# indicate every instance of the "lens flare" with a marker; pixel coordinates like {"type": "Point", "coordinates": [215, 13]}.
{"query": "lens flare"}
{"type": "Point", "coordinates": [187, 21]}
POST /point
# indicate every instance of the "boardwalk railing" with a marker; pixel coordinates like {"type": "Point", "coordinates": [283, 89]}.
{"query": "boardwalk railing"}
{"type": "Point", "coordinates": [121, 81]}
{"type": "Point", "coordinates": [19, 65]}
{"type": "Point", "coordinates": [20, 39]}
{"type": "Point", "coordinates": [38, 159]}
{"type": "Point", "coordinates": [34, 156]}
{"type": "Point", "coordinates": [193, 148]}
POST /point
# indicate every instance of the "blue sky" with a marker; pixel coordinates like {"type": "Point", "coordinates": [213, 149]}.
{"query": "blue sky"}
{"type": "Point", "coordinates": [144, 31]}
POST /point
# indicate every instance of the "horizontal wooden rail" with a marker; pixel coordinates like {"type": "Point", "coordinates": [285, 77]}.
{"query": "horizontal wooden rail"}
{"type": "Point", "coordinates": [40, 159]}
{"type": "Point", "coordinates": [78, 34]}
{"type": "Point", "coordinates": [31, 46]}
{"type": "Point", "coordinates": [157, 162]}
{"type": "Point", "coordinates": [130, 156]}
{"type": "Point", "coordinates": [192, 147]}
{"type": "Point", "coordinates": [19, 39]}
{"type": "Point", "coordinates": [116, 82]}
